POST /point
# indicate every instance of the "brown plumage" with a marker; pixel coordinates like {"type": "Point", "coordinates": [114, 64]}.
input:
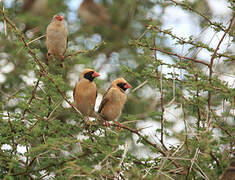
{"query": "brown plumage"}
{"type": "Point", "coordinates": [93, 13]}
{"type": "Point", "coordinates": [36, 7]}
{"type": "Point", "coordinates": [229, 172]}
{"type": "Point", "coordinates": [85, 92]}
{"type": "Point", "coordinates": [114, 99]}
{"type": "Point", "coordinates": [56, 38]}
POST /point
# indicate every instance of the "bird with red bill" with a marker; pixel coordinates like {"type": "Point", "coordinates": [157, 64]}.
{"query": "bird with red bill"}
{"type": "Point", "coordinates": [113, 100]}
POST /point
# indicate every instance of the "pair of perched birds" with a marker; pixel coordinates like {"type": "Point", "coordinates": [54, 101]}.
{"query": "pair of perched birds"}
{"type": "Point", "coordinates": [85, 90]}
{"type": "Point", "coordinates": [85, 93]}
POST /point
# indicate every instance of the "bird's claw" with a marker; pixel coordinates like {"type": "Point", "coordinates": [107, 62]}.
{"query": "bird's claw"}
{"type": "Point", "coordinates": [106, 123]}
{"type": "Point", "coordinates": [119, 125]}
{"type": "Point", "coordinates": [90, 123]}
{"type": "Point", "coordinates": [62, 58]}
{"type": "Point", "coordinates": [48, 57]}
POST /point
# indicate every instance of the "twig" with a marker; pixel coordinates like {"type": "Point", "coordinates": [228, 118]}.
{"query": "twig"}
{"type": "Point", "coordinates": [200, 14]}
{"type": "Point", "coordinates": [105, 158]}
{"type": "Point", "coordinates": [211, 65]}
{"type": "Point", "coordinates": [35, 39]}
{"type": "Point", "coordinates": [123, 155]}
{"type": "Point", "coordinates": [162, 114]}
{"type": "Point", "coordinates": [174, 54]}
{"type": "Point", "coordinates": [201, 171]}
{"type": "Point", "coordinates": [5, 23]}
{"type": "Point", "coordinates": [86, 51]}
{"type": "Point", "coordinates": [193, 160]}
{"type": "Point", "coordinates": [32, 97]}
{"type": "Point", "coordinates": [57, 105]}
{"type": "Point", "coordinates": [141, 85]}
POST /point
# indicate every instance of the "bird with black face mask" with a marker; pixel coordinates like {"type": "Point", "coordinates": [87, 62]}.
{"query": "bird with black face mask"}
{"type": "Point", "coordinates": [113, 100]}
{"type": "Point", "coordinates": [85, 92]}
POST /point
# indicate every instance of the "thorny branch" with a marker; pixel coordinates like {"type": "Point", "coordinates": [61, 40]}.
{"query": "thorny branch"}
{"type": "Point", "coordinates": [161, 98]}
{"type": "Point", "coordinates": [45, 73]}
{"type": "Point", "coordinates": [173, 54]}
{"type": "Point", "coordinates": [212, 63]}
{"type": "Point", "coordinates": [137, 132]}
{"type": "Point", "coordinates": [43, 69]}
{"type": "Point", "coordinates": [200, 14]}
{"type": "Point", "coordinates": [182, 40]}
{"type": "Point", "coordinates": [32, 97]}
{"type": "Point", "coordinates": [134, 131]}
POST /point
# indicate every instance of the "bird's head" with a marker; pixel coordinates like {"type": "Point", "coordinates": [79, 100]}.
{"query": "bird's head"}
{"type": "Point", "coordinates": [58, 17]}
{"type": "Point", "coordinates": [89, 74]}
{"type": "Point", "coordinates": [121, 83]}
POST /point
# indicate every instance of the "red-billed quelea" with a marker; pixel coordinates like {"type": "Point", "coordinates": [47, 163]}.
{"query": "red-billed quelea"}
{"type": "Point", "coordinates": [85, 92]}
{"type": "Point", "coordinates": [113, 100]}
{"type": "Point", "coordinates": [94, 13]}
{"type": "Point", "coordinates": [56, 38]}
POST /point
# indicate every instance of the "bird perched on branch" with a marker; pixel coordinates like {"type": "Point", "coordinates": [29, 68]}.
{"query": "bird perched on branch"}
{"type": "Point", "coordinates": [56, 38]}
{"type": "Point", "coordinates": [93, 13]}
{"type": "Point", "coordinates": [85, 92]}
{"type": "Point", "coordinates": [229, 172]}
{"type": "Point", "coordinates": [113, 100]}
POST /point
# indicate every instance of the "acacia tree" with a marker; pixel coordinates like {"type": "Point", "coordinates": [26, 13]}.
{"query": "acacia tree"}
{"type": "Point", "coordinates": [44, 136]}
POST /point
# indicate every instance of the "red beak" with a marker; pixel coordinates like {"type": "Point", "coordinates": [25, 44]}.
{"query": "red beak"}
{"type": "Point", "coordinates": [127, 85]}
{"type": "Point", "coordinates": [59, 18]}
{"type": "Point", "coordinates": [95, 74]}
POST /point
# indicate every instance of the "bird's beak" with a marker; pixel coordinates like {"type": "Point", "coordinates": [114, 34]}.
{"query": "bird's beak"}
{"type": "Point", "coordinates": [60, 18]}
{"type": "Point", "coordinates": [95, 74]}
{"type": "Point", "coordinates": [127, 85]}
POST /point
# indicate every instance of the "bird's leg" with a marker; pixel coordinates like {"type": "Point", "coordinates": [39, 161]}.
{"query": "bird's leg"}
{"type": "Point", "coordinates": [89, 127]}
{"type": "Point", "coordinates": [88, 121]}
{"type": "Point", "coordinates": [62, 60]}
{"type": "Point", "coordinates": [48, 57]}
{"type": "Point", "coordinates": [119, 125]}
{"type": "Point", "coordinates": [106, 123]}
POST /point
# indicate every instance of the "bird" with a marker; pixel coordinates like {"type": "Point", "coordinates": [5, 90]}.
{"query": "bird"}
{"type": "Point", "coordinates": [113, 100]}
{"type": "Point", "coordinates": [56, 38]}
{"type": "Point", "coordinates": [229, 172]}
{"type": "Point", "coordinates": [85, 92]}
{"type": "Point", "coordinates": [94, 13]}
{"type": "Point", "coordinates": [36, 7]}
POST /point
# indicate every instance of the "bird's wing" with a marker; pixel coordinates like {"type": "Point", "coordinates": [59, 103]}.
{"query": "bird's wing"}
{"type": "Point", "coordinates": [74, 89]}
{"type": "Point", "coordinates": [67, 40]}
{"type": "Point", "coordinates": [96, 9]}
{"type": "Point", "coordinates": [104, 100]}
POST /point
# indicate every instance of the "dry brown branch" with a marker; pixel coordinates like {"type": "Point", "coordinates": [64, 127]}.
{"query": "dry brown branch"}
{"type": "Point", "coordinates": [174, 54]}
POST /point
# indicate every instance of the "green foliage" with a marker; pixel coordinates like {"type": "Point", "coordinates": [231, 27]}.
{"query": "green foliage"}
{"type": "Point", "coordinates": [43, 136]}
